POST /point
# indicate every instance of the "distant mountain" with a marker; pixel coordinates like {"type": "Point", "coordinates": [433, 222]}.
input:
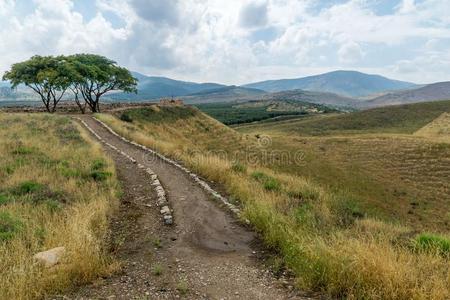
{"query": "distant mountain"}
{"type": "Point", "coordinates": [21, 93]}
{"type": "Point", "coordinates": [151, 87]}
{"type": "Point", "coordinates": [328, 99]}
{"type": "Point", "coordinates": [347, 83]}
{"type": "Point", "coordinates": [224, 94]}
{"type": "Point", "coordinates": [431, 92]}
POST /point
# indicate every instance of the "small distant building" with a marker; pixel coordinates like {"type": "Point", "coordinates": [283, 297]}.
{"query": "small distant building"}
{"type": "Point", "coordinates": [171, 102]}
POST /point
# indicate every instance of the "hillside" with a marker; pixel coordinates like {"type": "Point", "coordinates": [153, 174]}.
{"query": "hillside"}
{"type": "Point", "coordinates": [347, 83]}
{"type": "Point", "coordinates": [324, 98]}
{"type": "Point", "coordinates": [223, 94]}
{"type": "Point", "coordinates": [392, 119]}
{"type": "Point", "coordinates": [151, 87]}
{"type": "Point", "coordinates": [431, 92]}
{"type": "Point", "coordinates": [327, 205]}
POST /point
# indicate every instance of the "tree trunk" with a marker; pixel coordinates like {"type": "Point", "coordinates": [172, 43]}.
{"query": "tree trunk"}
{"type": "Point", "coordinates": [80, 106]}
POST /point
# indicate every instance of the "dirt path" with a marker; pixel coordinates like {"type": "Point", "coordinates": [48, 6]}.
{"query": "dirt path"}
{"type": "Point", "coordinates": [206, 254]}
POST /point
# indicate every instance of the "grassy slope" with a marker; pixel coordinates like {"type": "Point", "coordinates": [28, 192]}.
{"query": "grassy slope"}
{"type": "Point", "coordinates": [373, 157]}
{"type": "Point", "coordinates": [393, 119]}
{"type": "Point", "coordinates": [56, 189]}
{"type": "Point", "coordinates": [321, 235]}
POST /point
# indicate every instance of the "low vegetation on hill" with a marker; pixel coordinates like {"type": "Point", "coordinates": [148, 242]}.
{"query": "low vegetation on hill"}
{"type": "Point", "coordinates": [251, 111]}
{"type": "Point", "coordinates": [393, 119]}
{"type": "Point", "coordinates": [56, 189]}
{"type": "Point", "coordinates": [324, 236]}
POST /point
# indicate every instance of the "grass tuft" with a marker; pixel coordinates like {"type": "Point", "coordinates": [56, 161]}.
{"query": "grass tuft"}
{"type": "Point", "coordinates": [9, 226]}
{"type": "Point", "coordinates": [432, 243]}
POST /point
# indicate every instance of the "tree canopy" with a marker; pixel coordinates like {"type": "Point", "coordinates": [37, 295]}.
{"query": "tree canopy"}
{"type": "Point", "coordinates": [47, 75]}
{"type": "Point", "coordinates": [87, 75]}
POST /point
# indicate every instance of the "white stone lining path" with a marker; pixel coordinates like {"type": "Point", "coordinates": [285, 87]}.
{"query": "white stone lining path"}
{"type": "Point", "coordinates": [161, 193]}
{"type": "Point", "coordinates": [233, 208]}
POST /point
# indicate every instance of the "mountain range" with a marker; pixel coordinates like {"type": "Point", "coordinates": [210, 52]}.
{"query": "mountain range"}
{"type": "Point", "coordinates": [349, 89]}
{"type": "Point", "coordinates": [346, 83]}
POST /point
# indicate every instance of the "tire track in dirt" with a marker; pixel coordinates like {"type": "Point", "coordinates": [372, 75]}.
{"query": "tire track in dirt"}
{"type": "Point", "coordinates": [206, 254]}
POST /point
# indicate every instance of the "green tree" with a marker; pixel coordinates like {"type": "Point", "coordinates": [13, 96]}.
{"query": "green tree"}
{"type": "Point", "coordinates": [48, 76]}
{"type": "Point", "coordinates": [95, 75]}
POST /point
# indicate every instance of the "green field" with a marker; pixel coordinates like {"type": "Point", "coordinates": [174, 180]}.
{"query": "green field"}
{"type": "Point", "coordinates": [238, 113]}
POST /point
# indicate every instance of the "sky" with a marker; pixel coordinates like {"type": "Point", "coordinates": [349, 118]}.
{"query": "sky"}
{"type": "Point", "coordinates": [237, 41]}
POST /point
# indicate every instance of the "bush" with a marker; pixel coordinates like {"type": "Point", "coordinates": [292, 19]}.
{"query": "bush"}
{"type": "Point", "coordinates": [126, 117]}
{"type": "Point", "coordinates": [97, 172]}
{"type": "Point", "coordinates": [37, 193]}
{"type": "Point", "coordinates": [9, 226]}
{"type": "Point", "coordinates": [432, 243]}
{"type": "Point", "coordinates": [28, 187]}
{"type": "Point", "coordinates": [100, 175]}
{"type": "Point", "coordinates": [269, 183]}
{"type": "Point", "coordinates": [272, 185]}
{"type": "Point", "coordinates": [260, 176]}
{"type": "Point", "coordinates": [98, 164]}
{"type": "Point", "coordinates": [239, 168]}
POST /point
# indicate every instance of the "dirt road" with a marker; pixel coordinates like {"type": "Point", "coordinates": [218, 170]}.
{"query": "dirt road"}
{"type": "Point", "coordinates": [205, 254]}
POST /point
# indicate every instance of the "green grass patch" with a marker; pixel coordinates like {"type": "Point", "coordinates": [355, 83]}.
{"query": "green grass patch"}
{"type": "Point", "coordinates": [28, 187]}
{"type": "Point", "coordinates": [9, 226]}
{"type": "Point", "coordinates": [125, 116]}
{"type": "Point", "coordinates": [23, 150]}
{"type": "Point", "coordinates": [239, 168]}
{"type": "Point", "coordinates": [433, 243]}
{"type": "Point", "coordinates": [269, 183]}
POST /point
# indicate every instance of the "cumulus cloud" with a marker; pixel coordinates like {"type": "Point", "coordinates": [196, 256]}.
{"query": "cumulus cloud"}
{"type": "Point", "coordinates": [253, 14]}
{"type": "Point", "coordinates": [157, 11]}
{"type": "Point", "coordinates": [237, 41]}
{"type": "Point", "coordinates": [350, 53]}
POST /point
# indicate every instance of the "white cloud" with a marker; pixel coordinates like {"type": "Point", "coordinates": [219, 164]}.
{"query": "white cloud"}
{"type": "Point", "coordinates": [350, 53]}
{"type": "Point", "coordinates": [237, 41]}
{"type": "Point", "coordinates": [253, 14]}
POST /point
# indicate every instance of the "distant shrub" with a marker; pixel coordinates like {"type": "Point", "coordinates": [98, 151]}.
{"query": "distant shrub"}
{"type": "Point", "coordinates": [272, 185]}
{"type": "Point", "coordinates": [433, 243]}
{"type": "Point", "coordinates": [126, 117]}
{"type": "Point", "coordinates": [260, 176]}
{"type": "Point", "coordinates": [70, 173]}
{"type": "Point", "coordinates": [100, 175]}
{"type": "Point", "coordinates": [98, 164]}
{"type": "Point", "coordinates": [9, 226]}
{"type": "Point", "coordinates": [37, 193]}
{"type": "Point", "coordinates": [97, 172]}
{"type": "Point", "coordinates": [268, 182]}
{"type": "Point", "coordinates": [28, 187]}
{"type": "Point", "coordinates": [239, 168]}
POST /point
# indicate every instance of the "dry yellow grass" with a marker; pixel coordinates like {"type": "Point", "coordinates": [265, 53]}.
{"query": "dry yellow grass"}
{"type": "Point", "coordinates": [438, 129]}
{"type": "Point", "coordinates": [318, 233]}
{"type": "Point", "coordinates": [46, 168]}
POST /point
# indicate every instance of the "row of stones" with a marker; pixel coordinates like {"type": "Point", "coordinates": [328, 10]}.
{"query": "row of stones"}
{"type": "Point", "coordinates": [160, 192]}
{"type": "Point", "coordinates": [194, 176]}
